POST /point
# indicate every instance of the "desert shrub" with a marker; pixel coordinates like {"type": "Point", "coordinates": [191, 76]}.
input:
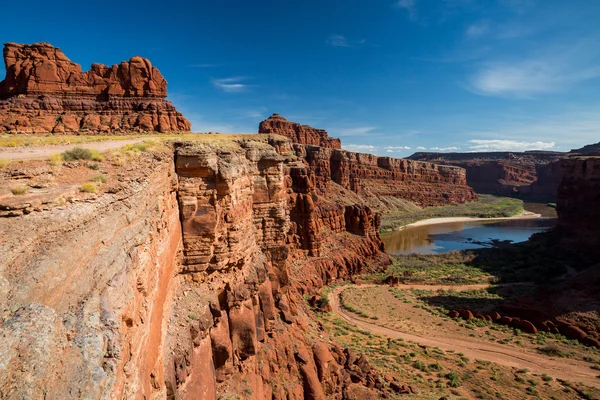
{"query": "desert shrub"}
{"type": "Point", "coordinates": [99, 179]}
{"type": "Point", "coordinates": [92, 165]}
{"type": "Point", "coordinates": [88, 188]}
{"type": "Point", "coordinates": [56, 159]}
{"type": "Point", "coordinates": [79, 153]}
{"type": "Point", "coordinates": [553, 351]}
{"type": "Point", "coordinates": [19, 190]}
{"type": "Point", "coordinates": [3, 163]}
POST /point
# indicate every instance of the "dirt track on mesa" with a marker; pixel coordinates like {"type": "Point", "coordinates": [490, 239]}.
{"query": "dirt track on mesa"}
{"type": "Point", "coordinates": [44, 152]}
{"type": "Point", "coordinates": [562, 368]}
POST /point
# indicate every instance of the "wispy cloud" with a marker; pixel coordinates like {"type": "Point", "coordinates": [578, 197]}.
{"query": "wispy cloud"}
{"type": "Point", "coordinates": [396, 149]}
{"type": "Point", "coordinates": [421, 148]}
{"type": "Point", "coordinates": [342, 41]}
{"type": "Point", "coordinates": [508, 145]}
{"type": "Point", "coordinates": [231, 85]}
{"type": "Point", "coordinates": [359, 147]}
{"type": "Point", "coordinates": [530, 77]}
{"type": "Point", "coordinates": [409, 6]}
{"type": "Point", "coordinates": [477, 29]}
{"type": "Point", "coordinates": [356, 131]}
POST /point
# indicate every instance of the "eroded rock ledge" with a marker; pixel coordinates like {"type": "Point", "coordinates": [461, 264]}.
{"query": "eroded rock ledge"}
{"type": "Point", "coordinates": [45, 92]}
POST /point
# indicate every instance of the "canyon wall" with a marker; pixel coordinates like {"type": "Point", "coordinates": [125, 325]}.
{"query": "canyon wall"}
{"type": "Point", "coordinates": [379, 180]}
{"type": "Point", "coordinates": [302, 134]}
{"type": "Point", "coordinates": [578, 206]}
{"type": "Point", "coordinates": [45, 92]}
{"type": "Point", "coordinates": [86, 282]}
{"type": "Point", "coordinates": [532, 173]}
{"type": "Point", "coordinates": [256, 237]}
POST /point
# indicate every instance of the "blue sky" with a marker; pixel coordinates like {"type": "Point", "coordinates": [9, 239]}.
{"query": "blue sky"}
{"type": "Point", "coordinates": [389, 77]}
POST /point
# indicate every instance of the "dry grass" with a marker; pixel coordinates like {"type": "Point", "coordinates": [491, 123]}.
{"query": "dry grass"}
{"type": "Point", "coordinates": [88, 188]}
{"type": "Point", "coordinates": [19, 190]}
{"type": "Point", "coordinates": [3, 163]}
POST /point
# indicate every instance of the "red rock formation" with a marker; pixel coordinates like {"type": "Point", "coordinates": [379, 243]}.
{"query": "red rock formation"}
{"type": "Point", "coordinates": [532, 173]}
{"type": "Point", "coordinates": [45, 92]}
{"type": "Point", "coordinates": [382, 178]}
{"type": "Point", "coordinates": [303, 134]}
{"type": "Point", "coordinates": [256, 236]}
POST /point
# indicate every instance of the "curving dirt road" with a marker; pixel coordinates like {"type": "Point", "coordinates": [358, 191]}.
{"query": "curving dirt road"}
{"type": "Point", "coordinates": [472, 347]}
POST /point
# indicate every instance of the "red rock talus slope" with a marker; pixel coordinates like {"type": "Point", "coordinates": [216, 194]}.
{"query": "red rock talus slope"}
{"type": "Point", "coordinates": [44, 92]}
{"type": "Point", "coordinates": [534, 173]}
{"type": "Point", "coordinates": [256, 236]}
{"type": "Point", "coordinates": [578, 205]}
{"type": "Point", "coordinates": [303, 134]}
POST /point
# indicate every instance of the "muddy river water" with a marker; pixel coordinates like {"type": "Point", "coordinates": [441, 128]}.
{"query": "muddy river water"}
{"type": "Point", "coordinates": [443, 237]}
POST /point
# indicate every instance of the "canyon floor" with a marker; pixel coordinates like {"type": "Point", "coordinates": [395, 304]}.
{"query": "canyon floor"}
{"type": "Point", "coordinates": [397, 313]}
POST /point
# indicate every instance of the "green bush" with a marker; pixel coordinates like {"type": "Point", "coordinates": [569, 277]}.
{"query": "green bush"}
{"type": "Point", "coordinates": [79, 153]}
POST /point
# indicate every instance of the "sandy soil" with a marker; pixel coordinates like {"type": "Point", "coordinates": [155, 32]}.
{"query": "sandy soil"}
{"type": "Point", "coordinates": [433, 221]}
{"type": "Point", "coordinates": [44, 152]}
{"type": "Point", "coordinates": [426, 329]}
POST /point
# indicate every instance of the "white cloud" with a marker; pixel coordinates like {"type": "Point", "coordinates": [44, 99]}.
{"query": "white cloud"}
{"type": "Point", "coordinates": [359, 147]}
{"type": "Point", "coordinates": [508, 145]}
{"type": "Point", "coordinates": [529, 77]}
{"type": "Point", "coordinates": [421, 148]}
{"type": "Point", "coordinates": [477, 29]}
{"type": "Point", "coordinates": [230, 85]}
{"type": "Point", "coordinates": [342, 41]}
{"type": "Point", "coordinates": [444, 148]}
{"type": "Point", "coordinates": [410, 6]}
{"type": "Point", "coordinates": [396, 149]}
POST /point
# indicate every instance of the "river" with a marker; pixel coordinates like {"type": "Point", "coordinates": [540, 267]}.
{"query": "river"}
{"type": "Point", "coordinates": [447, 236]}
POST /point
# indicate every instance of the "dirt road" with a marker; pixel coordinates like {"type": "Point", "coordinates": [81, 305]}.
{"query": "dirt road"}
{"type": "Point", "coordinates": [44, 152]}
{"type": "Point", "coordinates": [474, 348]}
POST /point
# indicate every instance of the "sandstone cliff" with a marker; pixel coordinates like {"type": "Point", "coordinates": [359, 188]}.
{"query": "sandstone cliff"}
{"type": "Point", "coordinates": [302, 134]}
{"type": "Point", "coordinates": [256, 236]}
{"type": "Point", "coordinates": [532, 173]}
{"type": "Point", "coordinates": [45, 92]}
{"type": "Point", "coordinates": [179, 279]}
{"type": "Point", "coordinates": [86, 280]}
{"type": "Point", "coordinates": [382, 183]}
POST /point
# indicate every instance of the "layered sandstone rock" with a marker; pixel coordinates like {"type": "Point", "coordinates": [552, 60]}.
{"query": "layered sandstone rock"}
{"type": "Point", "coordinates": [532, 173]}
{"type": "Point", "coordinates": [303, 134]}
{"type": "Point", "coordinates": [382, 183]}
{"type": "Point", "coordinates": [86, 285]}
{"type": "Point", "coordinates": [378, 179]}
{"type": "Point", "coordinates": [256, 235]}
{"type": "Point", "coordinates": [45, 92]}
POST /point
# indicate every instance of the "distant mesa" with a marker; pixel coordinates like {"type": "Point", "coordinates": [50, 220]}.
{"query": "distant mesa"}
{"type": "Point", "coordinates": [45, 92]}
{"type": "Point", "coordinates": [302, 134]}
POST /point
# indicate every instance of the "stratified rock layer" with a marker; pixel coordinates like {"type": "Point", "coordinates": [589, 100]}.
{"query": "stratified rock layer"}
{"type": "Point", "coordinates": [256, 236]}
{"type": "Point", "coordinates": [302, 134]}
{"type": "Point", "coordinates": [532, 173]}
{"type": "Point", "coordinates": [45, 92]}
